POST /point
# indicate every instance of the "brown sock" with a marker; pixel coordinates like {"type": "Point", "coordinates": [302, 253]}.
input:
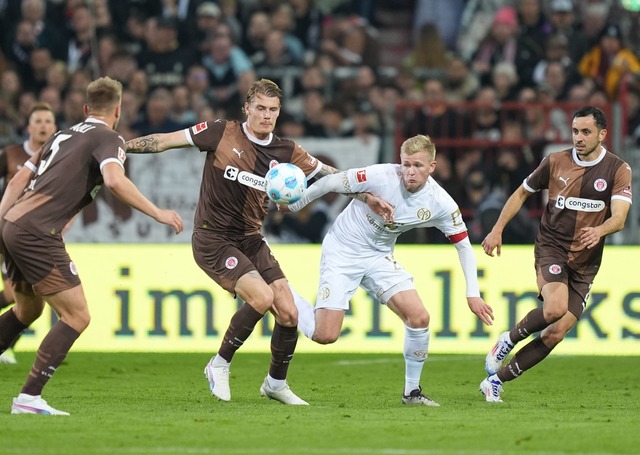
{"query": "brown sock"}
{"type": "Point", "coordinates": [15, 340]}
{"type": "Point", "coordinates": [283, 345]}
{"type": "Point", "coordinates": [3, 301]}
{"type": "Point", "coordinates": [527, 357]}
{"type": "Point", "coordinates": [533, 322]}
{"type": "Point", "coordinates": [10, 329]}
{"type": "Point", "coordinates": [240, 327]}
{"type": "Point", "coordinates": [51, 353]}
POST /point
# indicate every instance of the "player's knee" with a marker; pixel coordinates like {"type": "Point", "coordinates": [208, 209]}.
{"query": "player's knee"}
{"type": "Point", "coordinates": [263, 301]}
{"type": "Point", "coordinates": [79, 321]}
{"type": "Point", "coordinates": [418, 321]}
{"type": "Point", "coordinates": [288, 318]}
{"type": "Point", "coordinates": [325, 337]}
{"type": "Point", "coordinates": [554, 313]}
{"type": "Point", "coordinates": [552, 338]}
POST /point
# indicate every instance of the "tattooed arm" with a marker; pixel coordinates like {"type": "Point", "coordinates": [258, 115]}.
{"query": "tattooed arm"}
{"type": "Point", "coordinates": [155, 143]}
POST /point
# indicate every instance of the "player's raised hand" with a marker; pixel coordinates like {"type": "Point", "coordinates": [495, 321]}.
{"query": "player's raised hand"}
{"type": "Point", "coordinates": [481, 309]}
{"type": "Point", "coordinates": [171, 218]}
{"type": "Point", "coordinates": [492, 241]}
{"type": "Point", "coordinates": [380, 207]}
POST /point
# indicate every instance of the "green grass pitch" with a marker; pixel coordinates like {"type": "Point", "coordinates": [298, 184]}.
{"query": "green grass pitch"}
{"type": "Point", "coordinates": [133, 403]}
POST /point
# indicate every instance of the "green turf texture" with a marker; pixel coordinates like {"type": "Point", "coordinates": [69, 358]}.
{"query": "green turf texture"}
{"type": "Point", "coordinates": [133, 403]}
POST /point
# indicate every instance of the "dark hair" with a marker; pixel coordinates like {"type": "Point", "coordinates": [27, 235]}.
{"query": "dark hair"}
{"type": "Point", "coordinates": [598, 115]}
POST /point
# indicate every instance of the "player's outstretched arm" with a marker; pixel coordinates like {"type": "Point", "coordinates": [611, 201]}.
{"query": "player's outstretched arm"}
{"type": "Point", "coordinates": [337, 183]}
{"type": "Point", "coordinates": [377, 205]}
{"type": "Point", "coordinates": [493, 240]}
{"type": "Point", "coordinates": [470, 269]}
{"type": "Point", "coordinates": [18, 183]}
{"type": "Point", "coordinates": [159, 142]}
{"type": "Point", "coordinates": [127, 192]}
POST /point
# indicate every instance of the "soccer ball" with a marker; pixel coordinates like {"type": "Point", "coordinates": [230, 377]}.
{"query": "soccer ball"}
{"type": "Point", "coordinates": [285, 183]}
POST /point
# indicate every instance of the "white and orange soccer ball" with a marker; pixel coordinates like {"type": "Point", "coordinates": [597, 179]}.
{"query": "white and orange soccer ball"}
{"type": "Point", "coordinates": [285, 183]}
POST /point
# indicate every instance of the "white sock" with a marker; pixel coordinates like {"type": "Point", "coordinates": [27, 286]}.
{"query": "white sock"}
{"type": "Point", "coordinates": [306, 314]}
{"type": "Point", "coordinates": [275, 384]}
{"type": "Point", "coordinates": [416, 349]}
{"type": "Point", "coordinates": [219, 361]}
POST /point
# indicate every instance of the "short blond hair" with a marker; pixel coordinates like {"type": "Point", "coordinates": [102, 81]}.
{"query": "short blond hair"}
{"type": "Point", "coordinates": [104, 94]}
{"type": "Point", "coordinates": [419, 143]}
{"type": "Point", "coordinates": [264, 87]}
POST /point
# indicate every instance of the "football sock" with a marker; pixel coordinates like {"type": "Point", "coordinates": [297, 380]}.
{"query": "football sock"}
{"type": "Point", "coordinates": [15, 340]}
{"type": "Point", "coordinates": [219, 361]}
{"type": "Point", "coordinates": [240, 327]}
{"type": "Point", "coordinates": [283, 345]}
{"type": "Point", "coordinates": [4, 301]}
{"type": "Point", "coordinates": [275, 384]}
{"type": "Point", "coordinates": [416, 349]}
{"type": "Point", "coordinates": [533, 322]}
{"type": "Point", "coordinates": [530, 355]}
{"type": "Point", "coordinates": [306, 314]}
{"type": "Point", "coordinates": [10, 329]}
{"type": "Point", "coordinates": [52, 351]}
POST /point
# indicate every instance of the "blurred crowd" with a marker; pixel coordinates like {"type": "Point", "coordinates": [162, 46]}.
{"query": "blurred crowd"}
{"type": "Point", "coordinates": [468, 67]}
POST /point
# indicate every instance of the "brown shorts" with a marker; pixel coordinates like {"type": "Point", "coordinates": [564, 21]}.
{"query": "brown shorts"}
{"type": "Point", "coordinates": [555, 270]}
{"type": "Point", "coordinates": [35, 264]}
{"type": "Point", "coordinates": [225, 260]}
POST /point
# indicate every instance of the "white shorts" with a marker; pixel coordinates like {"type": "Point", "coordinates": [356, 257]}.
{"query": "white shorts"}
{"type": "Point", "coordinates": [341, 272]}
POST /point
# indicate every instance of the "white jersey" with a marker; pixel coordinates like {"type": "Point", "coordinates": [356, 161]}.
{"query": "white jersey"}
{"type": "Point", "coordinates": [358, 226]}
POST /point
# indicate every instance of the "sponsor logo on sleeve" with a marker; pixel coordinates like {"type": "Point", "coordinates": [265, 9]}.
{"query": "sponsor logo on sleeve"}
{"type": "Point", "coordinates": [627, 191]}
{"type": "Point", "coordinates": [231, 262]}
{"type": "Point", "coordinates": [199, 128]}
{"type": "Point", "coordinates": [122, 156]}
{"type": "Point", "coordinates": [312, 161]}
{"type": "Point", "coordinates": [361, 175]}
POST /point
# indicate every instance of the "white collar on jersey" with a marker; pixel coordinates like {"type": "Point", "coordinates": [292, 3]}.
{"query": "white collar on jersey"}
{"type": "Point", "coordinates": [252, 138]}
{"type": "Point", "coordinates": [603, 152]}
{"type": "Point", "coordinates": [94, 120]}
{"type": "Point", "coordinates": [28, 149]}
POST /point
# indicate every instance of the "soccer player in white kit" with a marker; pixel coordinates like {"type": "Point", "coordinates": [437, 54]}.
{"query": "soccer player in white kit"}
{"type": "Point", "coordinates": [358, 251]}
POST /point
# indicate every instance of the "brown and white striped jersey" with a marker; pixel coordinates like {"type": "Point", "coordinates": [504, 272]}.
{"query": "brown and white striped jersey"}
{"type": "Point", "coordinates": [580, 195]}
{"type": "Point", "coordinates": [68, 177]}
{"type": "Point", "coordinates": [232, 196]}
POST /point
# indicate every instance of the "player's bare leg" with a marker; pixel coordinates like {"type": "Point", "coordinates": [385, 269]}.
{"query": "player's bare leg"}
{"type": "Point", "coordinates": [328, 325]}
